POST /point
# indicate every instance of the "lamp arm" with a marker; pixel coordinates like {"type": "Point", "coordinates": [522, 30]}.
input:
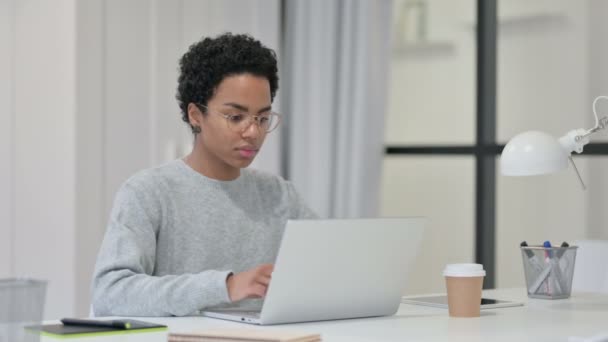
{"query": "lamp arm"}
{"type": "Point", "coordinates": [599, 123]}
{"type": "Point", "coordinates": [574, 140]}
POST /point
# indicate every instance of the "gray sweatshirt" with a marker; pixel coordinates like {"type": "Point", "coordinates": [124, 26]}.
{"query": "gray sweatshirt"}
{"type": "Point", "coordinates": [174, 236]}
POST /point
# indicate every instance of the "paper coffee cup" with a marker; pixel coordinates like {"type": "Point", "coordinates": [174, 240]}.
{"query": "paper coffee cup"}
{"type": "Point", "coordinates": [464, 283]}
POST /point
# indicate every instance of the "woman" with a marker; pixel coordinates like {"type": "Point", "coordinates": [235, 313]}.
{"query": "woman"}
{"type": "Point", "coordinates": [202, 231]}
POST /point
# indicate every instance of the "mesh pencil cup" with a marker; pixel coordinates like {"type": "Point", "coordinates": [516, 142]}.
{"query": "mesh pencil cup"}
{"type": "Point", "coordinates": [548, 271]}
{"type": "Point", "coordinates": [21, 304]}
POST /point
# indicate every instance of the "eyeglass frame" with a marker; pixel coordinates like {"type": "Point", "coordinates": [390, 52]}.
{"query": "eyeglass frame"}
{"type": "Point", "coordinates": [279, 117]}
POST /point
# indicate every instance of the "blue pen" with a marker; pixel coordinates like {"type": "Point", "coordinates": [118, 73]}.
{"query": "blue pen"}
{"type": "Point", "coordinates": [556, 274]}
{"type": "Point", "coordinates": [548, 252]}
{"type": "Point", "coordinates": [548, 256]}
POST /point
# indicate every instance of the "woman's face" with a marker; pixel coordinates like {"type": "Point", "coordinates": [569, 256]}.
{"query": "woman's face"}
{"type": "Point", "coordinates": [226, 144]}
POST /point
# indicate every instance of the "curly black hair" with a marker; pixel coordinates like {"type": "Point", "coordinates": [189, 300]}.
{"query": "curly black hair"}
{"type": "Point", "coordinates": [210, 60]}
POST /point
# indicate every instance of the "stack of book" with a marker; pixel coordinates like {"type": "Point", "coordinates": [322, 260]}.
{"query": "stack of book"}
{"type": "Point", "coordinates": [243, 335]}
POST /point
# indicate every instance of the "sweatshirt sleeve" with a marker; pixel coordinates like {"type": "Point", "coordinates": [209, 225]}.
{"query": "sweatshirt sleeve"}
{"type": "Point", "coordinates": [123, 284]}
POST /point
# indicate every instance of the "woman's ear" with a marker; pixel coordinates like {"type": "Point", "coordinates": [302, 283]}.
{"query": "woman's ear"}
{"type": "Point", "coordinates": [195, 117]}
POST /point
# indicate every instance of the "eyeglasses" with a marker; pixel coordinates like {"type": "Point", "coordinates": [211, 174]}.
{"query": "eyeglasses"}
{"type": "Point", "coordinates": [239, 122]}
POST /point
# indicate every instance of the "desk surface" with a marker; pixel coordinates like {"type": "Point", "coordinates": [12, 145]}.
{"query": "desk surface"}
{"type": "Point", "coordinates": [583, 315]}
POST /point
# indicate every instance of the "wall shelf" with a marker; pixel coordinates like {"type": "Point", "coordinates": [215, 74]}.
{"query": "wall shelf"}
{"type": "Point", "coordinates": [530, 22]}
{"type": "Point", "coordinates": [424, 49]}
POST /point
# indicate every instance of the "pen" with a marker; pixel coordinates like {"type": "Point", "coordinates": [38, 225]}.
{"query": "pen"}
{"type": "Point", "coordinates": [555, 279]}
{"type": "Point", "coordinates": [540, 280]}
{"type": "Point", "coordinates": [538, 268]}
{"type": "Point", "coordinates": [557, 267]}
{"type": "Point", "coordinates": [561, 251]}
{"type": "Point", "coordinates": [96, 323]}
{"type": "Point", "coordinates": [548, 256]}
{"type": "Point", "coordinates": [531, 257]}
{"type": "Point", "coordinates": [548, 252]}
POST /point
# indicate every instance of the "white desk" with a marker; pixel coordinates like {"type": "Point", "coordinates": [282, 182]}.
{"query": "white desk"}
{"type": "Point", "coordinates": [582, 315]}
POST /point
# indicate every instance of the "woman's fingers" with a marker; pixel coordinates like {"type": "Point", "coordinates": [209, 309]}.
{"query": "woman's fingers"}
{"type": "Point", "coordinates": [265, 269]}
{"type": "Point", "coordinates": [263, 279]}
{"type": "Point", "coordinates": [260, 282]}
{"type": "Point", "coordinates": [258, 291]}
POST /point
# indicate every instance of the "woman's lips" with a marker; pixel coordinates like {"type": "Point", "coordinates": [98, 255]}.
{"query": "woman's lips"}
{"type": "Point", "coordinates": [247, 153]}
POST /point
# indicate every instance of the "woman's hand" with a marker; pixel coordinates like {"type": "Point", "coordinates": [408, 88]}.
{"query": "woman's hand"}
{"type": "Point", "coordinates": [249, 284]}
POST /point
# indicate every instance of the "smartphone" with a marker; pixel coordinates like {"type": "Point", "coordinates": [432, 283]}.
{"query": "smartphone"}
{"type": "Point", "coordinates": [441, 301]}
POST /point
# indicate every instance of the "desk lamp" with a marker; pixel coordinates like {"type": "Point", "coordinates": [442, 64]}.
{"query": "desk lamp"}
{"type": "Point", "coordinates": [535, 153]}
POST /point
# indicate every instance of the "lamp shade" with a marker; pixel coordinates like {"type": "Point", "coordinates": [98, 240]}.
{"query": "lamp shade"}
{"type": "Point", "coordinates": [533, 153]}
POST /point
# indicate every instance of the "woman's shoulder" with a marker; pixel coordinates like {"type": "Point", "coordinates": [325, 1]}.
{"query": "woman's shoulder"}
{"type": "Point", "coordinates": [155, 177]}
{"type": "Point", "coordinates": [266, 179]}
{"type": "Point", "coordinates": [276, 188]}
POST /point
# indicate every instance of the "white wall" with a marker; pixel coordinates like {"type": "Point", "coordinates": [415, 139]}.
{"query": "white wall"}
{"type": "Point", "coordinates": [598, 189]}
{"type": "Point", "coordinates": [37, 155]}
{"type": "Point", "coordinates": [443, 190]}
{"type": "Point", "coordinates": [542, 67]}
{"type": "Point", "coordinates": [128, 83]}
{"type": "Point", "coordinates": [45, 153]}
{"type": "Point", "coordinates": [433, 79]}
{"type": "Point", "coordinates": [90, 178]}
{"type": "Point", "coordinates": [7, 27]}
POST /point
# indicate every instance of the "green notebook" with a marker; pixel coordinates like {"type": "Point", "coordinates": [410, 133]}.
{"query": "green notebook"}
{"type": "Point", "coordinates": [76, 331]}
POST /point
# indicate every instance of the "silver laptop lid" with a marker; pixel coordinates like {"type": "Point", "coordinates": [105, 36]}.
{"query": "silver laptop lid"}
{"type": "Point", "coordinates": [343, 268]}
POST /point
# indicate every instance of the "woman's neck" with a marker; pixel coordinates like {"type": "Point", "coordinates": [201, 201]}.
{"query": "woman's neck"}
{"type": "Point", "coordinates": [205, 163]}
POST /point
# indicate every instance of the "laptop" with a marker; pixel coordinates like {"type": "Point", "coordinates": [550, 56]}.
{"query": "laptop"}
{"type": "Point", "coordinates": [336, 269]}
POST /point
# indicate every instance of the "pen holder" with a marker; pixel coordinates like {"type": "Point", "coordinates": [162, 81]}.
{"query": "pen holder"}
{"type": "Point", "coordinates": [549, 271]}
{"type": "Point", "coordinates": [21, 304]}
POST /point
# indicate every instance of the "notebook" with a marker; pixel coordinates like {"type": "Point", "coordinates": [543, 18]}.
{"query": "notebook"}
{"type": "Point", "coordinates": [73, 331]}
{"type": "Point", "coordinates": [243, 335]}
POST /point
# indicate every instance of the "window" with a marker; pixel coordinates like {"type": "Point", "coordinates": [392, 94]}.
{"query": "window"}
{"type": "Point", "coordinates": [479, 73]}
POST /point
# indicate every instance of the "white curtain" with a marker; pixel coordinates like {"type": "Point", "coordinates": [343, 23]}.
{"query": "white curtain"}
{"type": "Point", "coordinates": [336, 62]}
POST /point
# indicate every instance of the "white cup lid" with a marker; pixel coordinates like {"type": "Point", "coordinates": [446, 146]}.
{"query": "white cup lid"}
{"type": "Point", "coordinates": [464, 270]}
